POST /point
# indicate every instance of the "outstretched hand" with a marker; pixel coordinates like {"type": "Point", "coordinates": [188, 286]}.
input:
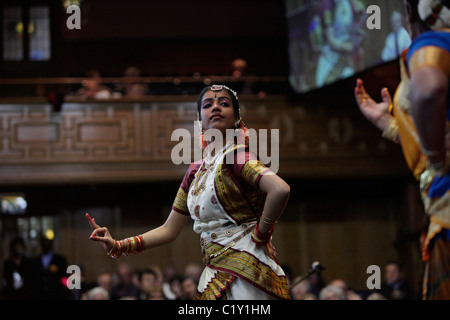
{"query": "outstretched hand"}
{"type": "Point", "coordinates": [375, 112]}
{"type": "Point", "coordinates": [100, 234]}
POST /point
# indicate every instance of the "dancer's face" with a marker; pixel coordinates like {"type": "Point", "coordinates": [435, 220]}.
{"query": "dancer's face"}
{"type": "Point", "coordinates": [217, 111]}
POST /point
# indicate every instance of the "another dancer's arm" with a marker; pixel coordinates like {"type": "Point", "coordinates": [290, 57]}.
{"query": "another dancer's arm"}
{"type": "Point", "coordinates": [428, 105]}
{"type": "Point", "coordinates": [375, 112]}
{"type": "Point", "coordinates": [379, 113]}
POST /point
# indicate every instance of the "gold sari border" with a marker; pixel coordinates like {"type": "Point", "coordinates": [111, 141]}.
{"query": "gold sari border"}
{"type": "Point", "coordinates": [249, 268]}
{"type": "Point", "coordinates": [216, 287]}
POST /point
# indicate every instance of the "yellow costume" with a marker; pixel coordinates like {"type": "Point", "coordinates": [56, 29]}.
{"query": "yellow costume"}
{"type": "Point", "coordinates": [429, 49]}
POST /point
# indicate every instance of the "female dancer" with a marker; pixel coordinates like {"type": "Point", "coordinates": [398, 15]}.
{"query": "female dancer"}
{"type": "Point", "coordinates": [234, 204]}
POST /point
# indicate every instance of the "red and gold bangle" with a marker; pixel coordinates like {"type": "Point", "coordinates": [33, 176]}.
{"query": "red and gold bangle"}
{"type": "Point", "coordinates": [132, 245]}
{"type": "Point", "coordinates": [116, 250]}
{"type": "Point", "coordinates": [259, 238]}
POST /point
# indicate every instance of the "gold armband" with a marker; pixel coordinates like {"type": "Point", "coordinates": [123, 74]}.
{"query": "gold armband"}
{"type": "Point", "coordinates": [391, 132]}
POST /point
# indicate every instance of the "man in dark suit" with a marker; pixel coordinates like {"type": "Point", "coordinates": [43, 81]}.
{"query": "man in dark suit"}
{"type": "Point", "coordinates": [394, 287]}
{"type": "Point", "coordinates": [49, 274]}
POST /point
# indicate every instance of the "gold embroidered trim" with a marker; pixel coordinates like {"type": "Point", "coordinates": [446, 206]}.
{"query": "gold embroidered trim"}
{"type": "Point", "coordinates": [215, 289]}
{"type": "Point", "coordinates": [247, 267]}
{"type": "Point", "coordinates": [180, 202]}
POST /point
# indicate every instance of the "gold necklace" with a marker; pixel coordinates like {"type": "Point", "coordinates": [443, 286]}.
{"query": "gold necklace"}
{"type": "Point", "coordinates": [198, 188]}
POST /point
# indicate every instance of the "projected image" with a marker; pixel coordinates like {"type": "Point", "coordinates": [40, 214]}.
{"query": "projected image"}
{"type": "Point", "coordinates": [329, 39]}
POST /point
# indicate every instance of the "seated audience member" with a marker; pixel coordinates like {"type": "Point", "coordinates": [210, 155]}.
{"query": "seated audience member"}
{"type": "Point", "coordinates": [376, 296]}
{"type": "Point", "coordinates": [93, 87]}
{"type": "Point", "coordinates": [300, 289]}
{"type": "Point", "coordinates": [189, 286]}
{"type": "Point", "coordinates": [394, 286]}
{"type": "Point", "coordinates": [147, 282]}
{"type": "Point", "coordinates": [97, 293]}
{"type": "Point", "coordinates": [350, 294]}
{"type": "Point", "coordinates": [156, 293]}
{"type": "Point", "coordinates": [332, 292]}
{"type": "Point", "coordinates": [131, 87]}
{"type": "Point", "coordinates": [125, 288]}
{"type": "Point", "coordinates": [105, 280]}
{"type": "Point", "coordinates": [175, 290]}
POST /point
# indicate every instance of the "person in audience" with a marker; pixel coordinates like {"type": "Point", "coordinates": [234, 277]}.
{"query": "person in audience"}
{"type": "Point", "coordinates": [238, 74]}
{"type": "Point", "coordinates": [97, 293]}
{"type": "Point", "coordinates": [125, 288]}
{"type": "Point", "coordinates": [350, 294]}
{"type": "Point", "coordinates": [189, 286]}
{"type": "Point", "coordinates": [332, 292]}
{"type": "Point", "coordinates": [105, 280]}
{"type": "Point", "coordinates": [93, 87]}
{"type": "Point", "coordinates": [147, 282]}
{"type": "Point", "coordinates": [193, 270]}
{"type": "Point", "coordinates": [156, 293]}
{"type": "Point", "coordinates": [394, 286]}
{"type": "Point", "coordinates": [376, 296]}
{"type": "Point", "coordinates": [131, 87]}
{"type": "Point", "coordinates": [176, 288]}
{"type": "Point", "coordinates": [50, 274]}
{"type": "Point", "coordinates": [299, 290]}
{"type": "Point", "coordinates": [17, 272]}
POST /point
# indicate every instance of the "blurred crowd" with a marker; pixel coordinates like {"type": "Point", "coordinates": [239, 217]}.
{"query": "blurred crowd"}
{"type": "Point", "coordinates": [132, 84]}
{"type": "Point", "coordinates": [45, 277]}
{"type": "Point", "coordinates": [150, 283]}
{"type": "Point", "coordinates": [392, 287]}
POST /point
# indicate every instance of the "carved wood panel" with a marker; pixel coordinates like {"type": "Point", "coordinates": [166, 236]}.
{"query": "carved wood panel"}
{"type": "Point", "coordinates": [131, 141]}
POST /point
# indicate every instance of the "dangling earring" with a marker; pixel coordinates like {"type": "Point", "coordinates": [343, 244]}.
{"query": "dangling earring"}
{"type": "Point", "coordinates": [199, 123]}
{"type": "Point", "coordinates": [237, 124]}
{"type": "Point", "coordinates": [202, 132]}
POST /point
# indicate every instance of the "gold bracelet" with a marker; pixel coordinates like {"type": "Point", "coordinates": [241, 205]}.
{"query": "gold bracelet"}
{"type": "Point", "coordinates": [391, 132]}
{"type": "Point", "coordinates": [110, 251]}
{"type": "Point", "coordinates": [268, 220]}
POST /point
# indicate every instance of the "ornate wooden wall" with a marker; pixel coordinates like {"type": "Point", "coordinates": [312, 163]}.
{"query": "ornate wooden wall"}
{"type": "Point", "coordinates": [119, 141]}
{"type": "Point", "coordinates": [346, 224]}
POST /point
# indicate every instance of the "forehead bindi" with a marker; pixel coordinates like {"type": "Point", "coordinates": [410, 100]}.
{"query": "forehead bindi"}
{"type": "Point", "coordinates": [220, 95]}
